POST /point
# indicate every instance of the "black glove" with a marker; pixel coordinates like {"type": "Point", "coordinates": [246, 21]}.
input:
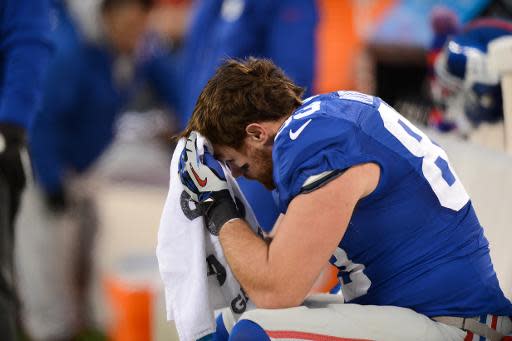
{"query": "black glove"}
{"type": "Point", "coordinates": [12, 152]}
{"type": "Point", "coordinates": [205, 182]}
{"type": "Point", "coordinates": [57, 201]}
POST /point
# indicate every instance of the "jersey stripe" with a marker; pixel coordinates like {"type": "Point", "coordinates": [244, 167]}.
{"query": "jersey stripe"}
{"type": "Point", "coordinates": [290, 334]}
{"type": "Point", "coordinates": [314, 182]}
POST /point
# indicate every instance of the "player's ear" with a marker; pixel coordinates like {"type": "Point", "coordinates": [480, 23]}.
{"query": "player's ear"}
{"type": "Point", "coordinates": [256, 133]}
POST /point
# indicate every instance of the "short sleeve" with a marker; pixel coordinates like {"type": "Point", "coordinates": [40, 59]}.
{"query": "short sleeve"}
{"type": "Point", "coordinates": [309, 152]}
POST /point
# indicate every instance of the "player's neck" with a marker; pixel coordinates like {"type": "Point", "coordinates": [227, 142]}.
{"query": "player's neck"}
{"type": "Point", "coordinates": [274, 126]}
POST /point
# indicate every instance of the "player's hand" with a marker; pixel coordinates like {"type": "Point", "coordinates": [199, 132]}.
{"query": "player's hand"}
{"type": "Point", "coordinates": [202, 178]}
{"type": "Point", "coordinates": [205, 182]}
{"type": "Point", "coordinates": [12, 148]}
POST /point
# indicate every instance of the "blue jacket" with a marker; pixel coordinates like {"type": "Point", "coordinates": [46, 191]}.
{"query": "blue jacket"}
{"type": "Point", "coordinates": [82, 98]}
{"type": "Point", "coordinates": [24, 51]}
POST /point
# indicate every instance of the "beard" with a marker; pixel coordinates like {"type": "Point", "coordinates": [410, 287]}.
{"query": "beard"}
{"type": "Point", "coordinates": [263, 158]}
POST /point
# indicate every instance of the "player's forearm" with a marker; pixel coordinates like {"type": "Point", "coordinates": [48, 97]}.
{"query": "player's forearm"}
{"type": "Point", "coordinates": [248, 257]}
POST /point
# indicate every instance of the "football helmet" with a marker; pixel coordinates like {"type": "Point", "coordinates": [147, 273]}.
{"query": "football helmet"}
{"type": "Point", "coordinates": [462, 74]}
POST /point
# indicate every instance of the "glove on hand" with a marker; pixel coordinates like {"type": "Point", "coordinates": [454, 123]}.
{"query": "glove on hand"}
{"type": "Point", "coordinates": [205, 182]}
{"type": "Point", "coordinates": [12, 145]}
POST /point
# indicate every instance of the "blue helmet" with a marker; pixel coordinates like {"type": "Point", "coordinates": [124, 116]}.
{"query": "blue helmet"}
{"type": "Point", "coordinates": [462, 69]}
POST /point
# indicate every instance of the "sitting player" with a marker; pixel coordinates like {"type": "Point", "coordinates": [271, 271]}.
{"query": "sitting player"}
{"type": "Point", "coordinates": [359, 186]}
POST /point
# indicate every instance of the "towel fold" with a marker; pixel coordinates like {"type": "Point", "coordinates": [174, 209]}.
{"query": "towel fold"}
{"type": "Point", "coordinates": [196, 275]}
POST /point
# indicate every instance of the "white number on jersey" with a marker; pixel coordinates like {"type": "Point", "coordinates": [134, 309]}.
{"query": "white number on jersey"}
{"type": "Point", "coordinates": [435, 166]}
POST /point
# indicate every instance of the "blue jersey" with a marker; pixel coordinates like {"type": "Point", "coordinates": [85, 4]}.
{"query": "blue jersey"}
{"type": "Point", "coordinates": [415, 241]}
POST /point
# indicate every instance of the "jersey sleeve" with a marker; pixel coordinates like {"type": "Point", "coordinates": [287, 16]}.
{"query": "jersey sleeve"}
{"type": "Point", "coordinates": [308, 155]}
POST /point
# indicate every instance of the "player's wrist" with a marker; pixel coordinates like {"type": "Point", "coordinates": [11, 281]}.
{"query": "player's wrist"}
{"type": "Point", "coordinates": [219, 211]}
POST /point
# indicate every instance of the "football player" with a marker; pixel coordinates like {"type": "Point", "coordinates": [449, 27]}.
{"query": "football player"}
{"type": "Point", "coordinates": [359, 186]}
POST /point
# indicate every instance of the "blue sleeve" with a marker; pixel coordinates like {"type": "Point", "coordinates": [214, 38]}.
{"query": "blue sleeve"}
{"type": "Point", "coordinates": [291, 39]}
{"type": "Point", "coordinates": [60, 99]}
{"type": "Point", "coordinates": [325, 148]}
{"type": "Point", "coordinates": [25, 50]}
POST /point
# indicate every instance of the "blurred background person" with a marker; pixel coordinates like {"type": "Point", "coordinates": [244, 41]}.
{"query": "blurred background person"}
{"type": "Point", "coordinates": [319, 43]}
{"type": "Point", "coordinates": [90, 80]}
{"type": "Point", "coordinates": [24, 52]}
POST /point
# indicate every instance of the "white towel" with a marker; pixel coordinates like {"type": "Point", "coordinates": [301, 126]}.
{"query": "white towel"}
{"type": "Point", "coordinates": [191, 260]}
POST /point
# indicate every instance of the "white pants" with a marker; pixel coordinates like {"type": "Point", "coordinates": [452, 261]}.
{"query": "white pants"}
{"type": "Point", "coordinates": [53, 262]}
{"type": "Point", "coordinates": [326, 317]}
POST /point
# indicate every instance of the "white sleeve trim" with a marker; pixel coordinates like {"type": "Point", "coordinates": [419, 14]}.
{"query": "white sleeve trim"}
{"type": "Point", "coordinates": [314, 178]}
